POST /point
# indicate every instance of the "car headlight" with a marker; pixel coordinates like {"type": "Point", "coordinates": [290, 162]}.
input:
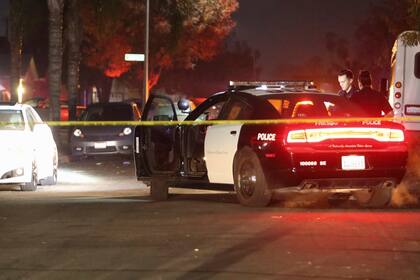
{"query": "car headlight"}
{"type": "Point", "coordinates": [127, 131]}
{"type": "Point", "coordinates": [78, 133]}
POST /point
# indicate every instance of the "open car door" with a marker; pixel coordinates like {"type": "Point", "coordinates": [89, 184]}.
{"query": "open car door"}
{"type": "Point", "coordinates": [156, 147]}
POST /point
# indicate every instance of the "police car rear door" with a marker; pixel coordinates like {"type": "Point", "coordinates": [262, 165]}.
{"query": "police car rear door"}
{"type": "Point", "coordinates": [193, 136]}
{"type": "Point", "coordinates": [157, 146]}
{"type": "Point", "coordinates": [221, 142]}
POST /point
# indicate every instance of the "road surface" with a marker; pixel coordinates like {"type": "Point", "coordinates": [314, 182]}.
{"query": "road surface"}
{"type": "Point", "coordinates": [99, 223]}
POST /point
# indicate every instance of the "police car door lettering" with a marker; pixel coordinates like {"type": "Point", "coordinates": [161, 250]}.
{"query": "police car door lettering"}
{"type": "Point", "coordinates": [371, 122]}
{"type": "Point", "coordinates": [266, 137]}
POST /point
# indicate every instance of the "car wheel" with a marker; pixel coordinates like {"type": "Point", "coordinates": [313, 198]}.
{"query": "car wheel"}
{"type": "Point", "coordinates": [51, 180]}
{"type": "Point", "coordinates": [338, 199]}
{"type": "Point", "coordinates": [33, 184]}
{"type": "Point", "coordinates": [250, 183]}
{"type": "Point", "coordinates": [374, 198]}
{"type": "Point", "coordinates": [159, 189]}
{"type": "Point", "coordinates": [74, 158]}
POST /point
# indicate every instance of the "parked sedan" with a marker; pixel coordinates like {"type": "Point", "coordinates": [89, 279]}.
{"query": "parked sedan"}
{"type": "Point", "coordinates": [29, 153]}
{"type": "Point", "coordinates": [102, 139]}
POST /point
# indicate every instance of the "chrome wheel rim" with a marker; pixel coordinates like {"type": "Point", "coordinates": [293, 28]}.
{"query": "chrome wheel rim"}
{"type": "Point", "coordinates": [247, 180]}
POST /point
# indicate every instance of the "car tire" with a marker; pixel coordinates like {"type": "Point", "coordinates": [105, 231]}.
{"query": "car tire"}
{"type": "Point", "coordinates": [33, 184]}
{"type": "Point", "coordinates": [51, 180]}
{"type": "Point", "coordinates": [74, 158]}
{"type": "Point", "coordinates": [338, 199]}
{"type": "Point", "coordinates": [374, 198]}
{"type": "Point", "coordinates": [250, 182]}
{"type": "Point", "coordinates": [159, 189]}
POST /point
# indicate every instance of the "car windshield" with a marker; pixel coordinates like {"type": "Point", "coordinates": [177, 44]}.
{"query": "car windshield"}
{"type": "Point", "coordinates": [108, 112]}
{"type": "Point", "coordinates": [11, 120]}
{"type": "Point", "coordinates": [314, 106]}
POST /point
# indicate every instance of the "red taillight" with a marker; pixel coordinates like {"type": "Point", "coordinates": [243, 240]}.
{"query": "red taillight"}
{"type": "Point", "coordinates": [296, 136]}
{"type": "Point", "coordinates": [321, 134]}
{"type": "Point", "coordinates": [398, 95]}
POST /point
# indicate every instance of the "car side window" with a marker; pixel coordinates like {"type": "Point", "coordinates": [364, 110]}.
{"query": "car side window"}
{"type": "Point", "coordinates": [160, 109]}
{"type": "Point", "coordinates": [35, 115]}
{"type": "Point", "coordinates": [239, 110]}
{"type": "Point", "coordinates": [212, 112]}
{"type": "Point", "coordinates": [312, 109]}
{"type": "Point", "coordinates": [31, 119]}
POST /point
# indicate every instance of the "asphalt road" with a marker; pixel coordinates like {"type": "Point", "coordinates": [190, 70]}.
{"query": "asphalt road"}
{"type": "Point", "coordinates": [99, 223]}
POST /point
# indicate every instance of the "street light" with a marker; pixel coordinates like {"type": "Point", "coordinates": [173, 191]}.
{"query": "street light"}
{"type": "Point", "coordinates": [20, 91]}
{"type": "Point", "coordinates": [146, 58]}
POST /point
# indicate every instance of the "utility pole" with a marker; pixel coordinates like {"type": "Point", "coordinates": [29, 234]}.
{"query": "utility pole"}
{"type": "Point", "coordinates": [146, 56]}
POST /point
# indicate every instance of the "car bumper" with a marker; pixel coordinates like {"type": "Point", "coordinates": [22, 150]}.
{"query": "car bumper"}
{"type": "Point", "coordinates": [85, 148]}
{"type": "Point", "coordinates": [10, 174]}
{"type": "Point", "coordinates": [378, 168]}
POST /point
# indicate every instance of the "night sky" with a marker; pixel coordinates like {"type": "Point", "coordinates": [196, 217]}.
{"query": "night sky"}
{"type": "Point", "coordinates": [3, 12]}
{"type": "Point", "coordinates": [295, 30]}
{"type": "Point", "coordinates": [289, 31]}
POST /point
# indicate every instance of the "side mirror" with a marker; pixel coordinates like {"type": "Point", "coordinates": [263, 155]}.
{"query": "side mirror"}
{"type": "Point", "coordinates": [184, 105]}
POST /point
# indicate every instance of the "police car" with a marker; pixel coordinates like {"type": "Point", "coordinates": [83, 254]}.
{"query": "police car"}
{"type": "Point", "coordinates": [29, 153]}
{"type": "Point", "coordinates": [284, 147]}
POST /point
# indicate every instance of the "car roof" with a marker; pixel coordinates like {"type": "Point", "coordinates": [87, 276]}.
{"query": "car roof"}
{"type": "Point", "coordinates": [107, 104]}
{"type": "Point", "coordinates": [11, 106]}
{"type": "Point", "coordinates": [280, 92]}
{"type": "Point", "coordinates": [273, 88]}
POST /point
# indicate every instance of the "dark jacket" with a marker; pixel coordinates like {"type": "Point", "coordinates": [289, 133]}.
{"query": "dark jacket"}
{"type": "Point", "coordinates": [349, 94]}
{"type": "Point", "coordinates": [371, 102]}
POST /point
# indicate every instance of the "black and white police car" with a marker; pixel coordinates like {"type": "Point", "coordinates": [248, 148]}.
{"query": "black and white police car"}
{"type": "Point", "coordinates": [363, 159]}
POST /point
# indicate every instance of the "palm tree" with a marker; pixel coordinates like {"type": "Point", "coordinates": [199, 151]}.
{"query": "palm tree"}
{"type": "Point", "coordinates": [73, 41]}
{"type": "Point", "coordinates": [16, 44]}
{"type": "Point", "coordinates": [55, 55]}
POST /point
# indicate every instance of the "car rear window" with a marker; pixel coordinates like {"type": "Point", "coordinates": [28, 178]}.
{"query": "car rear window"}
{"type": "Point", "coordinates": [313, 106]}
{"type": "Point", "coordinates": [417, 66]}
{"type": "Point", "coordinates": [108, 112]}
{"type": "Point", "coordinates": [11, 120]}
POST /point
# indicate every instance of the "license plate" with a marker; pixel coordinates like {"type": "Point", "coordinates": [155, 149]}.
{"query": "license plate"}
{"type": "Point", "coordinates": [353, 162]}
{"type": "Point", "coordinates": [100, 145]}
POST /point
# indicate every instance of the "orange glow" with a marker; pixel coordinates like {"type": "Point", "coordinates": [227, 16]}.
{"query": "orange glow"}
{"type": "Point", "coordinates": [299, 105]}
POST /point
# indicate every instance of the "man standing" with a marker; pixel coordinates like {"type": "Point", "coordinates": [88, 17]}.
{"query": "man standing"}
{"type": "Point", "coordinates": [373, 103]}
{"type": "Point", "coordinates": [345, 79]}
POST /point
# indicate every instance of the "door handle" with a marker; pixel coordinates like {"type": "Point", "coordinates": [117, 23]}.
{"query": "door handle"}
{"type": "Point", "coordinates": [233, 132]}
{"type": "Point", "coordinates": [137, 145]}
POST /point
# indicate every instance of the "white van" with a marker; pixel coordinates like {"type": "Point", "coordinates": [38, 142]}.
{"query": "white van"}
{"type": "Point", "coordinates": [404, 91]}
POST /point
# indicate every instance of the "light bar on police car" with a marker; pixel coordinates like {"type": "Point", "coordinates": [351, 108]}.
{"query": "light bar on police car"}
{"type": "Point", "coordinates": [282, 84]}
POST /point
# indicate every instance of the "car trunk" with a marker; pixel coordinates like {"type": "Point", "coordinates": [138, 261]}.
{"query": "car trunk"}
{"type": "Point", "coordinates": [347, 149]}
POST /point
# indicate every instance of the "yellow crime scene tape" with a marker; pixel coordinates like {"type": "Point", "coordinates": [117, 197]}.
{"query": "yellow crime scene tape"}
{"type": "Point", "coordinates": [327, 121]}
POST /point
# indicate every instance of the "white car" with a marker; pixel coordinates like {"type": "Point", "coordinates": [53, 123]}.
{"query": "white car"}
{"type": "Point", "coordinates": [29, 153]}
